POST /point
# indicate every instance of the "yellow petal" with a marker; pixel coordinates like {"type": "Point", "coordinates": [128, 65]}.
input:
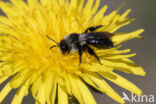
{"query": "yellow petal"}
{"type": "Point", "coordinates": [119, 56]}
{"type": "Point", "coordinates": [120, 51]}
{"type": "Point", "coordinates": [97, 18]}
{"type": "Point", "coordinates": [119, 38]}
{"type": "Point", "coordinates": [62, 96]}
{"type": "Point", "coordinates": [18, 79]}
{"type": "Point", "coordinates": [3, 78]}
{"type": "Point", "coordinates": [5, 92]}
{"type": "Point", "coordinates": [124, 65]}
{"type": "Point", "coordinates": [5, 20]}
{"type": "Point", "coordinates": [33, 3]}
{"type": "Point", "coordinates": [5, 70]}
{"type": "Point", "coordinates": [80, 5]}
{"type": "Point", "coordinates": [88, 6]}
{"type": "Point", "coordinates": [106, 20]}
{"type": "Point", "coordinates": [41, 94]}
{"type": "Point", "coordinates": [104, 87]}
{"type": "Point", "coordinates": [61, 2]}
{"type": "Point", "coordinates": [49, 85]}
{"type": "Point", "coordinates": [122, 82]}
{"type": "Point", "coordinates": [126, 13]}
{"type": "Point", "coordinates": [46, 2]}
{"type": "Point", "coordinates": [95, 67]}
{"type": "Point", "coordinates": [89, 81]}
{"type": "Point", "coordinates": [107, 51]}
{"type": "Point", "coordinates": [20, 5]}
{"type": "Point", "coordinates": [34, 88]}
{"type": "Point", "coordinates": [96, 6]}
{"type": "Point", "coordinates": [73, 4]}
{"type": "Point", "coordinates": [86, 94]}
{"type": "Point", "coordinates": [68, 86]}
{"type": "Point", "coordinates": [20, 94]}
{"type": "Point", "coordinates": [54, 93]}
{"type": "Point", "coordinates": [8, 9]}
{"type": "Point", "coordinates": [75, 89]}
{"type": "Point", "coordinates": [120, 24]}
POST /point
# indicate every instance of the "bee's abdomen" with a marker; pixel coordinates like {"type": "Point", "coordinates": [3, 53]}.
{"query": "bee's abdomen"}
{"type": "Point", "coordinates": [99, 41]}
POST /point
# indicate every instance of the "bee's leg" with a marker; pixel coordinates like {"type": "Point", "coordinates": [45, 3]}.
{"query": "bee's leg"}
{"type": "Point", "coordinates": [79, 52]}
{"type": "Point", "coordinates": [92, 52]}
{"type": "Point", "coordinates": [93, 28]}
{"type": "Point", "coordinates": [80, 56]}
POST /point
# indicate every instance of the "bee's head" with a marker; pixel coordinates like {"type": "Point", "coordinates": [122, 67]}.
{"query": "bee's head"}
{"type": "Point", "coordinates": [64, 47]}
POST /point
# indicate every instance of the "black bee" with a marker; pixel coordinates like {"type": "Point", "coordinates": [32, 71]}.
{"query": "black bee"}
{"type": "Point", "coordinates": [80, 42]}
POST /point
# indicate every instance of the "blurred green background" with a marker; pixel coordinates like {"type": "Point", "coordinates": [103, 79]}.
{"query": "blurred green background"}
{"type": "Point", "coordinates": [144, 13]}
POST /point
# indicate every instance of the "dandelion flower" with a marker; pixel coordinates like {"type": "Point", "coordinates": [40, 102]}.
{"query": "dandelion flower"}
{"type": "Point", "coordinates": [26, 58]}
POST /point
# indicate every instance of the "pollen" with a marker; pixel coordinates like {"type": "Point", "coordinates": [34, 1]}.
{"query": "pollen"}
{"type": "Point", "coordinates": [32, 67]}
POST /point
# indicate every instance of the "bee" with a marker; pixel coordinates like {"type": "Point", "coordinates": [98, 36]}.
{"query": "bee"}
{"type": "Point", "coordinates": [81, 42]}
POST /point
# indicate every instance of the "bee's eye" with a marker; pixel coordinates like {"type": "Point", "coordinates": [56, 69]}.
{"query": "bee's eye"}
{"type": "Point", "coordinates": [63, 47]}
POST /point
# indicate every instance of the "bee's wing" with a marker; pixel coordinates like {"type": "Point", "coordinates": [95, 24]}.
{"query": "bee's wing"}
{"type": "Point", "coordinates": [100, 35]}
{"type": "Point", "coordinates": [96, 36]}
{"type": "Point", "coordinates": [100, 39]}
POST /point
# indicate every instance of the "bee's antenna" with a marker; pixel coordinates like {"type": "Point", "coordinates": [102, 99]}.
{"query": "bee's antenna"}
{"type": "Point", "coordinates": [52, 40]}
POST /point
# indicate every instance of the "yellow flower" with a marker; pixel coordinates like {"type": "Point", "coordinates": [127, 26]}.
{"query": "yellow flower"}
{"type": "Point", "coordinates": [26, 58]}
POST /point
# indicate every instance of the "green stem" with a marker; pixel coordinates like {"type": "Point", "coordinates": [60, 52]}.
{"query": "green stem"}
{"type": "Point", "coordinates": [73, 100]}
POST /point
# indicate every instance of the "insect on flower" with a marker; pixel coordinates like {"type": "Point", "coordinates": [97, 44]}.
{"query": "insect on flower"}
{"type": "Point", "coordinates": [80, 42]}
{"type": "Point", "coordinates": [77, 27]}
